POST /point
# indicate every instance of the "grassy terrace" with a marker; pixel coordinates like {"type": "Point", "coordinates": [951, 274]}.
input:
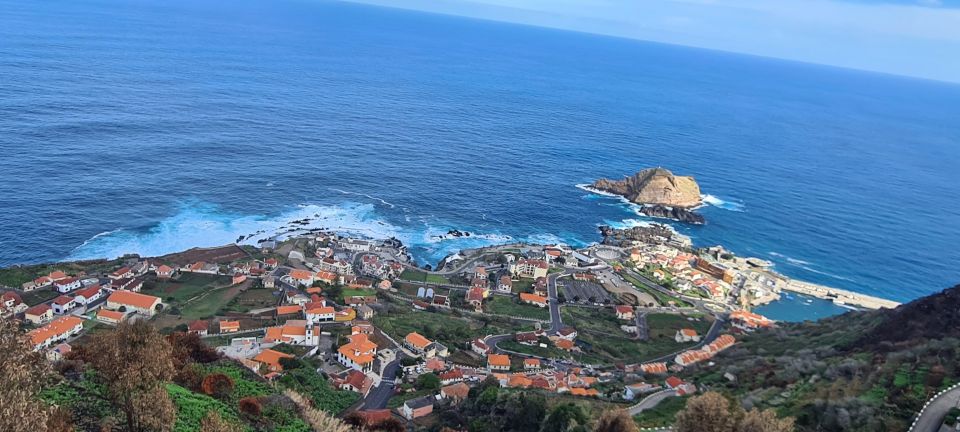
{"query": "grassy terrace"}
{"type": "Point", "coordinates": [419, 276]}
{"type": "Point", "coordinates": [192, 296]}
{"type": "Point", "coordinates": [445, 327]}
{"type": "Point", "coordinates": [549, 352]}
{"type": "Point", "coordinates": [251, 299]}
{"type": "Point", "coordinates": [661, 298]}
{"type": "Point", "coordinates": [411, 289]}
{"type": "Point", "coordinates": [509, 306]}
{"type": "Point", "coordinates": [608, 343]}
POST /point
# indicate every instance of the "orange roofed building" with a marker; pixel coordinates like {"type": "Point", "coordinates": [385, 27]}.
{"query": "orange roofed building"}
{"type": "Point", "coordinates": [749, 321]}
{"type": "Point", "coordinates": [533, 299]}
{"type": "Point", "coordinates": [134, 302]}
{"type": "Point", "coordinates": [270, 359]}
{"type": "Point", "coordinates": [358, 353]}
{"type": "Point", "coordinates": [56, 331]}
{"type": "Point", "coordinates": [500, 362]}
{"type": "Point", "coordinates": [229, 326]}
{"type": "Point", "coordinates": [417, 343]}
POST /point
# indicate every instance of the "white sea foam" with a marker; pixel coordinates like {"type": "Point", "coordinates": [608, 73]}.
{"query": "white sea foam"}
{"type": "Point", "coordinates": [381, 200]}
{"type": "Point", "coordinates": [588, 188]}
{"type": "Point", "coordinates": [718, 202]}
{"type": "Point", "coordinates": [198, 224]}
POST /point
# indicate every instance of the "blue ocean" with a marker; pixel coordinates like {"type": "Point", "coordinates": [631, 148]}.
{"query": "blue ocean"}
{"type": "Point", "coordinates": [151, 127]}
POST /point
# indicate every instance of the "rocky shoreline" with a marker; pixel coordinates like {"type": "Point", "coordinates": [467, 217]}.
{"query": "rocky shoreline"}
{"type": "Point", "coordinates": [675, 213]}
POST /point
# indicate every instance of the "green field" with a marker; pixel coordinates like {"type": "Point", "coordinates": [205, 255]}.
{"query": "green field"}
{"type": "Point", "coordinates": [36, 297]}
{"type": "Point", "coordinates": [419, 276]}
{"type": "Point", "coordinates": [350, 292]}
{"type": "Point", "coordinates": [666, 325]}
{"type": "Point", "coordinates": [523, 285]}
{"type": "Point", "coordinates": [448, 329]}
{"type": "Point", "coordinates": [251, 299]}
{"type": "Point", "coordinates": [509, 306]}
{"type": "Point", "coordinates": [549, 352]}
{"type": "Point", "coordinates": [185, 287]}
{"type": "Point", "coordinates": [599, 320]}
{"type": "Point", "coordinates": [601, 330]}
{"type": "Point", "coordinates": [194, 295]}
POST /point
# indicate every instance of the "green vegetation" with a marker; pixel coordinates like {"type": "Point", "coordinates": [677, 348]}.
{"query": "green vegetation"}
{"type": "Point", "coordinates": [36, 297]}
{"type": "Point", "coordinates": [306, 380]}
{"type": "Point", "coordinates": [16, 276]}
{"type": "Point", "coordinates": [549, 352]}
{"type": "Point", "coordinates": [193, 295]}
{"type": "Point", "coordinates": [351, 292]}
{"type": "Point", "coordinates": [661, 298]}
{"type": "Point", "coordinates": [420, 276]}
{"type": "Point", "coordinates": [193, 407]}
{"type": "Point", "coordinates": [666, 325]}
{"type": "Point", "coordinates": [445, 327]}
{"type": "Point", "coordinates": [255, 298]}
{"type": "Point", "coordinates": [523, 285]}
{"type": "Point", "coordinates": [859, 371]}
{"type": "Point", "coordinates": [245, 382]}
{"type": "Point", "coordinates": [663, 415]}
{"type": "Point", "coordinates": [510, 306]}
{"type": "Point", "coordinates": [606, 342]}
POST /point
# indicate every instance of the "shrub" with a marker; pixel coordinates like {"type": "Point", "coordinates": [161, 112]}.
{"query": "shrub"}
{"type": "Point", "coordinates": [250, 406]}
{"type": "Point", "coordinates": [217, 385]}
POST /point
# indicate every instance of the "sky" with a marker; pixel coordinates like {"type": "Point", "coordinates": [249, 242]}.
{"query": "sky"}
{"type": "Point", "coordinates": [916, 38]}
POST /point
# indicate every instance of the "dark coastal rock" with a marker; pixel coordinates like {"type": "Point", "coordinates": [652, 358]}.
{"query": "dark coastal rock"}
{"type": "Point", "coordinates": [653, 234]}
{"type": "Point", "coordinates": [676, 213]}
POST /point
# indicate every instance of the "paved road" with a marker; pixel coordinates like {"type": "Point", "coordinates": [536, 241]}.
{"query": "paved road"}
{"type": "Point", "coordinates": [932, 416]}
{"type": "Point", "coordinates": [651, 401]}
{"type": "Point", "coordinates": [378, 396]}
{"type": "Point", "coordinates": [555, 321]}
{"type": "Point", "coordinates": [643, 331]}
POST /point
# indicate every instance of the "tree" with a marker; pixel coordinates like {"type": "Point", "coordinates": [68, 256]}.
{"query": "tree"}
{"type": "Point", "coordinates": [25, 373]}
{"type": "Point", "coordinates": [250, 406]}
{"type": "Point", "coordinates": [212, 422]}
{"type": "Point", "coordinates": [765, 421]}
{"type": "Point", "coordinates": [428, 381]}
{"type": "Point", "coordinates": [615, 421]}
{"type": "Point", "coordinates": [390, 425]}
{"type": "Point", "coordinates": [712, 412]}
{"type": "Point", "coordinates": [217, 385]}
{"type": "Point", "coordinates": [564, 417]}
{"type": "Point", "coordinates": [189, 348]}
{"type": "Point", "coordinates": [709, 412]}
{"type": "Point", "coordinates": [134, 362]}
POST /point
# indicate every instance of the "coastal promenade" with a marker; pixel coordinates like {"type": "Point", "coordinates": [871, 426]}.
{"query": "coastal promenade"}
{"type": "Point", "coordinates": [839, 296]}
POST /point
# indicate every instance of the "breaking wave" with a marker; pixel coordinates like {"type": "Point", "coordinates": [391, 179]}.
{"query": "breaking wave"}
{"type": "Point", "coordinates": [714, 201]}
{"type": "Point", "coordinates": [200, 224]}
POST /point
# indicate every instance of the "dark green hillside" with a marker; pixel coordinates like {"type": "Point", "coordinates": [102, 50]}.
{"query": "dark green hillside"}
{"type": "Point", "coordinates": [862, 371]}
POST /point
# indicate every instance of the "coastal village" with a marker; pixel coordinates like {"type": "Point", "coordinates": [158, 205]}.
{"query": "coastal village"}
{"type": "Point", "coordinates": [614, 324]}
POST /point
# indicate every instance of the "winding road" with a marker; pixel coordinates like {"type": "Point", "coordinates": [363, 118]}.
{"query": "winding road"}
{"type": "Point", "coordinates": [932, 416]}
{"type": "Point", "coordinates": [651, 401]}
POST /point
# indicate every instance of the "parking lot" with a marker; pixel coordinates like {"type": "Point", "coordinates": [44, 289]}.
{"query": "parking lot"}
{"type": "Point", "coordinates": [577, 291]}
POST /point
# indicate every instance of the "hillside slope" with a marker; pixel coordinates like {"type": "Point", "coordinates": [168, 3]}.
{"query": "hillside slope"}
{"type": "Point", "coordinates": [861, 371]}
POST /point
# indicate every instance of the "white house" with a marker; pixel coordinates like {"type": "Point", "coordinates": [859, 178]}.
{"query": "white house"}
{"type": "Point", "coordinates": [67, 285]}
{"type": "Point", "coordinates": [88, 295]}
